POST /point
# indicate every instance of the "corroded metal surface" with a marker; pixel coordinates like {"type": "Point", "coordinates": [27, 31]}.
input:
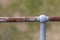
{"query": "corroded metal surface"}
{"type": "Point", "coordinates": [26, 19]}
{"type": "Point", "coordinates": [54, 19]}
{"type": "Point", "coordinates": [18, 19]}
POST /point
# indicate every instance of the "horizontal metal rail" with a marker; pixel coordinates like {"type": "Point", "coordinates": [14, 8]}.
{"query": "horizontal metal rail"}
{"type": "Point", "coordinates": [18, 19]}
{"type": "Point", "coordinates": [26, 19]}
{"type": "Point", "coordinates": [54, 18]}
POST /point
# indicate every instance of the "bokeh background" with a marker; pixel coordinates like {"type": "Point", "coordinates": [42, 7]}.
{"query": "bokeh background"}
{"type": "Point", "coordinates": [26, 30]}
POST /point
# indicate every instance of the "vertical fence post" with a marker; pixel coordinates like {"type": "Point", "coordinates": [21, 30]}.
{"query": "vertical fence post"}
{"type": "Point", "coordinates": [43, 20]}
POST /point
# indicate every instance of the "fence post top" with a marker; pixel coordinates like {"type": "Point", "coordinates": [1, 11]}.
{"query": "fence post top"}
{"type": "Point", "coordinates": [42, 18]}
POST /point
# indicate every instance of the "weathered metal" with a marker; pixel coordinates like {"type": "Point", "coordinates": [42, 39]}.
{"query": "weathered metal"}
{"type": "Point", "coordinates": [54, 19]}
{"type": "Point", "coordinates": [26, 19]}
{"type": "Point", "coordinates": [18, 19]}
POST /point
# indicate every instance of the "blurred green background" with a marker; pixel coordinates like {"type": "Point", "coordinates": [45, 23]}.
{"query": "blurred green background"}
{"type": "Point", "coordinates": [26, 30]}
